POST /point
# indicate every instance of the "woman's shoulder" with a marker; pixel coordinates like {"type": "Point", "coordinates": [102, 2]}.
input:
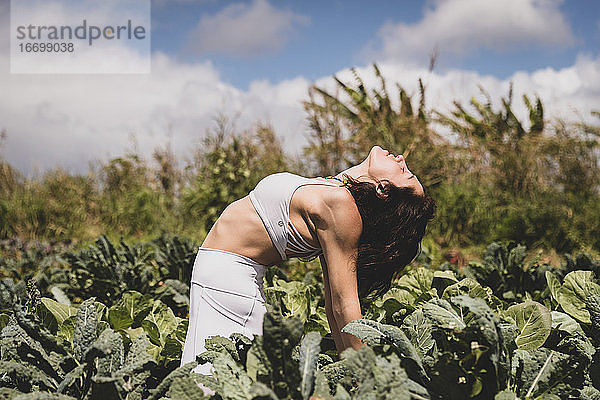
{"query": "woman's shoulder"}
{"type": "Point", "coordinates": [335, 206]}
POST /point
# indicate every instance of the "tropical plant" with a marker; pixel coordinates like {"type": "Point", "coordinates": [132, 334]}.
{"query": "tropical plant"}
{"type": "Point", "coordinates": [499, 146]}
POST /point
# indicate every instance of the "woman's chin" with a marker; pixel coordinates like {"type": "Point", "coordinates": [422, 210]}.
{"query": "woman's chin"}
{"type": "Point", "coordinates": [375, 152]}
{"type": "Point", "coordinates": [376, 148]}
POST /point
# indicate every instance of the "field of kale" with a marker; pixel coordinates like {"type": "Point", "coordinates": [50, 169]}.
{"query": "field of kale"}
{"type": "Point", "coordinates": [109, 321]}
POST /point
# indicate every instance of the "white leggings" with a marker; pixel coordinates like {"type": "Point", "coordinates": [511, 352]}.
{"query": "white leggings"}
{"type": "Point", "coordinates": [226, 296]}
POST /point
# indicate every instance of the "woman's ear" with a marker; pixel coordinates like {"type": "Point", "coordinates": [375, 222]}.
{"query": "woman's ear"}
{"type": "Point", "coordinates": [382, 189]}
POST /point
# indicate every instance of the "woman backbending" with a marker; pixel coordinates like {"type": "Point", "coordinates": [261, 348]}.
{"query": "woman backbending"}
{"type": "Point", "coordinates": [365, 224]}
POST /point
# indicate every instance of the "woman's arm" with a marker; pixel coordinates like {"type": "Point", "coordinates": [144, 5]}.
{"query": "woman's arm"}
{"type": "Point", "coordinates": [335, 330]}
{"type": "Point", "coordinates": [339, 232]}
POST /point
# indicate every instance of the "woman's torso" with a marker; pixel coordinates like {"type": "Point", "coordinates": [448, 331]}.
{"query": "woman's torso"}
{"type": "Point", "coordinates": [240, 229]}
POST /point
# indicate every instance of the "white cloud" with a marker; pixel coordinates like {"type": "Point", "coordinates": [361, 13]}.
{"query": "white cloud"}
{"type": "Point", "coordinates": [458, 26]}
{"type": "Point", "coordinates": [68, 120]}
{"type": "Point", "coordinates": [244, 30]}
{"type": "Point", "coordinates": [166, 2]}
{"type": "Point", "coordinates": [4, 25]}
{"type": "Point", "coordinates": [71, 119]}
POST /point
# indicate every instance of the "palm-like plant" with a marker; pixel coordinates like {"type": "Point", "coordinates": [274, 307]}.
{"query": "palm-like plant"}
{"type": "Point", "coordinates": [345, 125]}
{"type": "Point", "coordinates": [574, 149]}
{"type": "Point", "coordinates": [498, 146]}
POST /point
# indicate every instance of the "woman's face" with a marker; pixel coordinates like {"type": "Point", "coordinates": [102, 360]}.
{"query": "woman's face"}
{"type": "Point", "coordinates": [383, 165]}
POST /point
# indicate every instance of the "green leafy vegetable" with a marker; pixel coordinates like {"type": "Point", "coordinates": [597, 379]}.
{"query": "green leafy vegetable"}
{"type": "Point", "coordinates": [533, 321]}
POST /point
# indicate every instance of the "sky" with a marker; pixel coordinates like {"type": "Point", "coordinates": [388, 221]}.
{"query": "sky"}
{"type": "Point", "coordinates": [253, 61]}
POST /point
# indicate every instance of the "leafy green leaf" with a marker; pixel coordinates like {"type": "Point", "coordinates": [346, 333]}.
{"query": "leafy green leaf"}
{"type": "Point", "coordinates": [441, 313]}
{"type": "Point", "coordinates": [111, 340]}
{"type": "Point", "coordinates": [180, 372]}
{"type": "Point", "coordinates": [309, 355]}
{"type": "Point", "coordinates": [564, 322]}
{"type": "Point", "coordinates": [394, 300]}
{"type": "Point", "coordinates": [280, 336]}
{"type": "Point", "coordinates": [471, 288]}
{"type": "Point", "coordinates": [84, 331]}
{"type": "Point", "coordinates": [185, 388]}
{"type": "Point", "coordinates": [593, 305]}
{"type": "Point", "coordinates": [418, 283]}
{"type": "Point", "coordinates": [152, 330]}
{"type": "Point", "coordinates": [59, 295]}
{"type": "Point", "coordinates": [42, 396]}
{"type": "Point", "coordinates": [174, 342]}
{"type": "Point", "coordinates": [418, 330]}
{"type": "Point", "coordinates": [66, 329]}
{"type": "Point", "coordinates": [533, 321]}
{"type": "Point", "coordinates": [221, 344]}
{"type": "Point", "coordinates": [48, 320]}
{"type": "Point", "coordinates": [375, 376]}
{"type": "Point", "coordinates": [577, 286]}
{"type": "Point", "coordinates": [233, 381]}
{"type": "Point", "coordinates": [443, 279]}
{"type": "Point", "coordinates": [4, 318]}
{"type": "Point", "coordinates": [257, 362]}
{"type": "Point", "coordinates": [138, 306]}
{"type": "Point", "coordinates": [60, 311]}
{"type": "Point", "coordinates": [317, 321]}
{"type": "Point", "coordinates": [589, 393]}
{"type": "Point", "coordinates": [544, 371]}
{"type": "Point", "coordinates": [506, 395]}
{"type": "Point", "coordinates": [259, 390]}
{"type": "Point", "coordinates": [553, 286]}
{"type": "Point", "coordinates": [73, 376]}
{"type": "Point", "coordinates": [294, 296]}
{"type": "Point", "coordinates": [119, 318]}
{"type": "Point", "coordinates": [374, 333]}
{"type": "Point", "coordinates": [163, 319]}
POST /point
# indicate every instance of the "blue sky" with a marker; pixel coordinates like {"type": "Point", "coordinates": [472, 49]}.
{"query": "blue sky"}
{"type": "Point", "coordinates": [328, 37]}
{"type": "Point", "coordinates": [331, 35]}
{"type": "Point", "coordinates": [254, 61]}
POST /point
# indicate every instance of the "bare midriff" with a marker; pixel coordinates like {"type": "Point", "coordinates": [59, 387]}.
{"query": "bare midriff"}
{"type": "Point", "coordinates": [240, 230]}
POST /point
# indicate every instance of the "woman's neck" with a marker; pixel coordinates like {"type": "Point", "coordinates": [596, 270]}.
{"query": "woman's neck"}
{"type": "Point", "coordinates": [358, 172]}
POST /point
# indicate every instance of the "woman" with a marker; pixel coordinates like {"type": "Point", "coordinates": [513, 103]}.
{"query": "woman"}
{"type": "Point", "coordinates": [366, 224]}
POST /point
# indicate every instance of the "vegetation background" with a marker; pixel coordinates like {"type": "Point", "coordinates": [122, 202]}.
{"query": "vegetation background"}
{"type": "Point", "coordinates": [494, 177]}
{"type": "Point", "coordinates": [109, 319]}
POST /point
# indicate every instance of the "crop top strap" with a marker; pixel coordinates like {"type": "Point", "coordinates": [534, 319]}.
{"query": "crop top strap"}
{"type": "Point", "coordinates": [329, 183]}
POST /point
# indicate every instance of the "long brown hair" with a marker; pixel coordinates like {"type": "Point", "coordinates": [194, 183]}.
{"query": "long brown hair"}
{"type": "Point", "coordinates": [394, 221]}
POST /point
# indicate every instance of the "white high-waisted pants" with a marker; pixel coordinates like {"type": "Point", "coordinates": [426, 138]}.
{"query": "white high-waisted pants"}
{"type": "Point", "coordinates": [226, 296]}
